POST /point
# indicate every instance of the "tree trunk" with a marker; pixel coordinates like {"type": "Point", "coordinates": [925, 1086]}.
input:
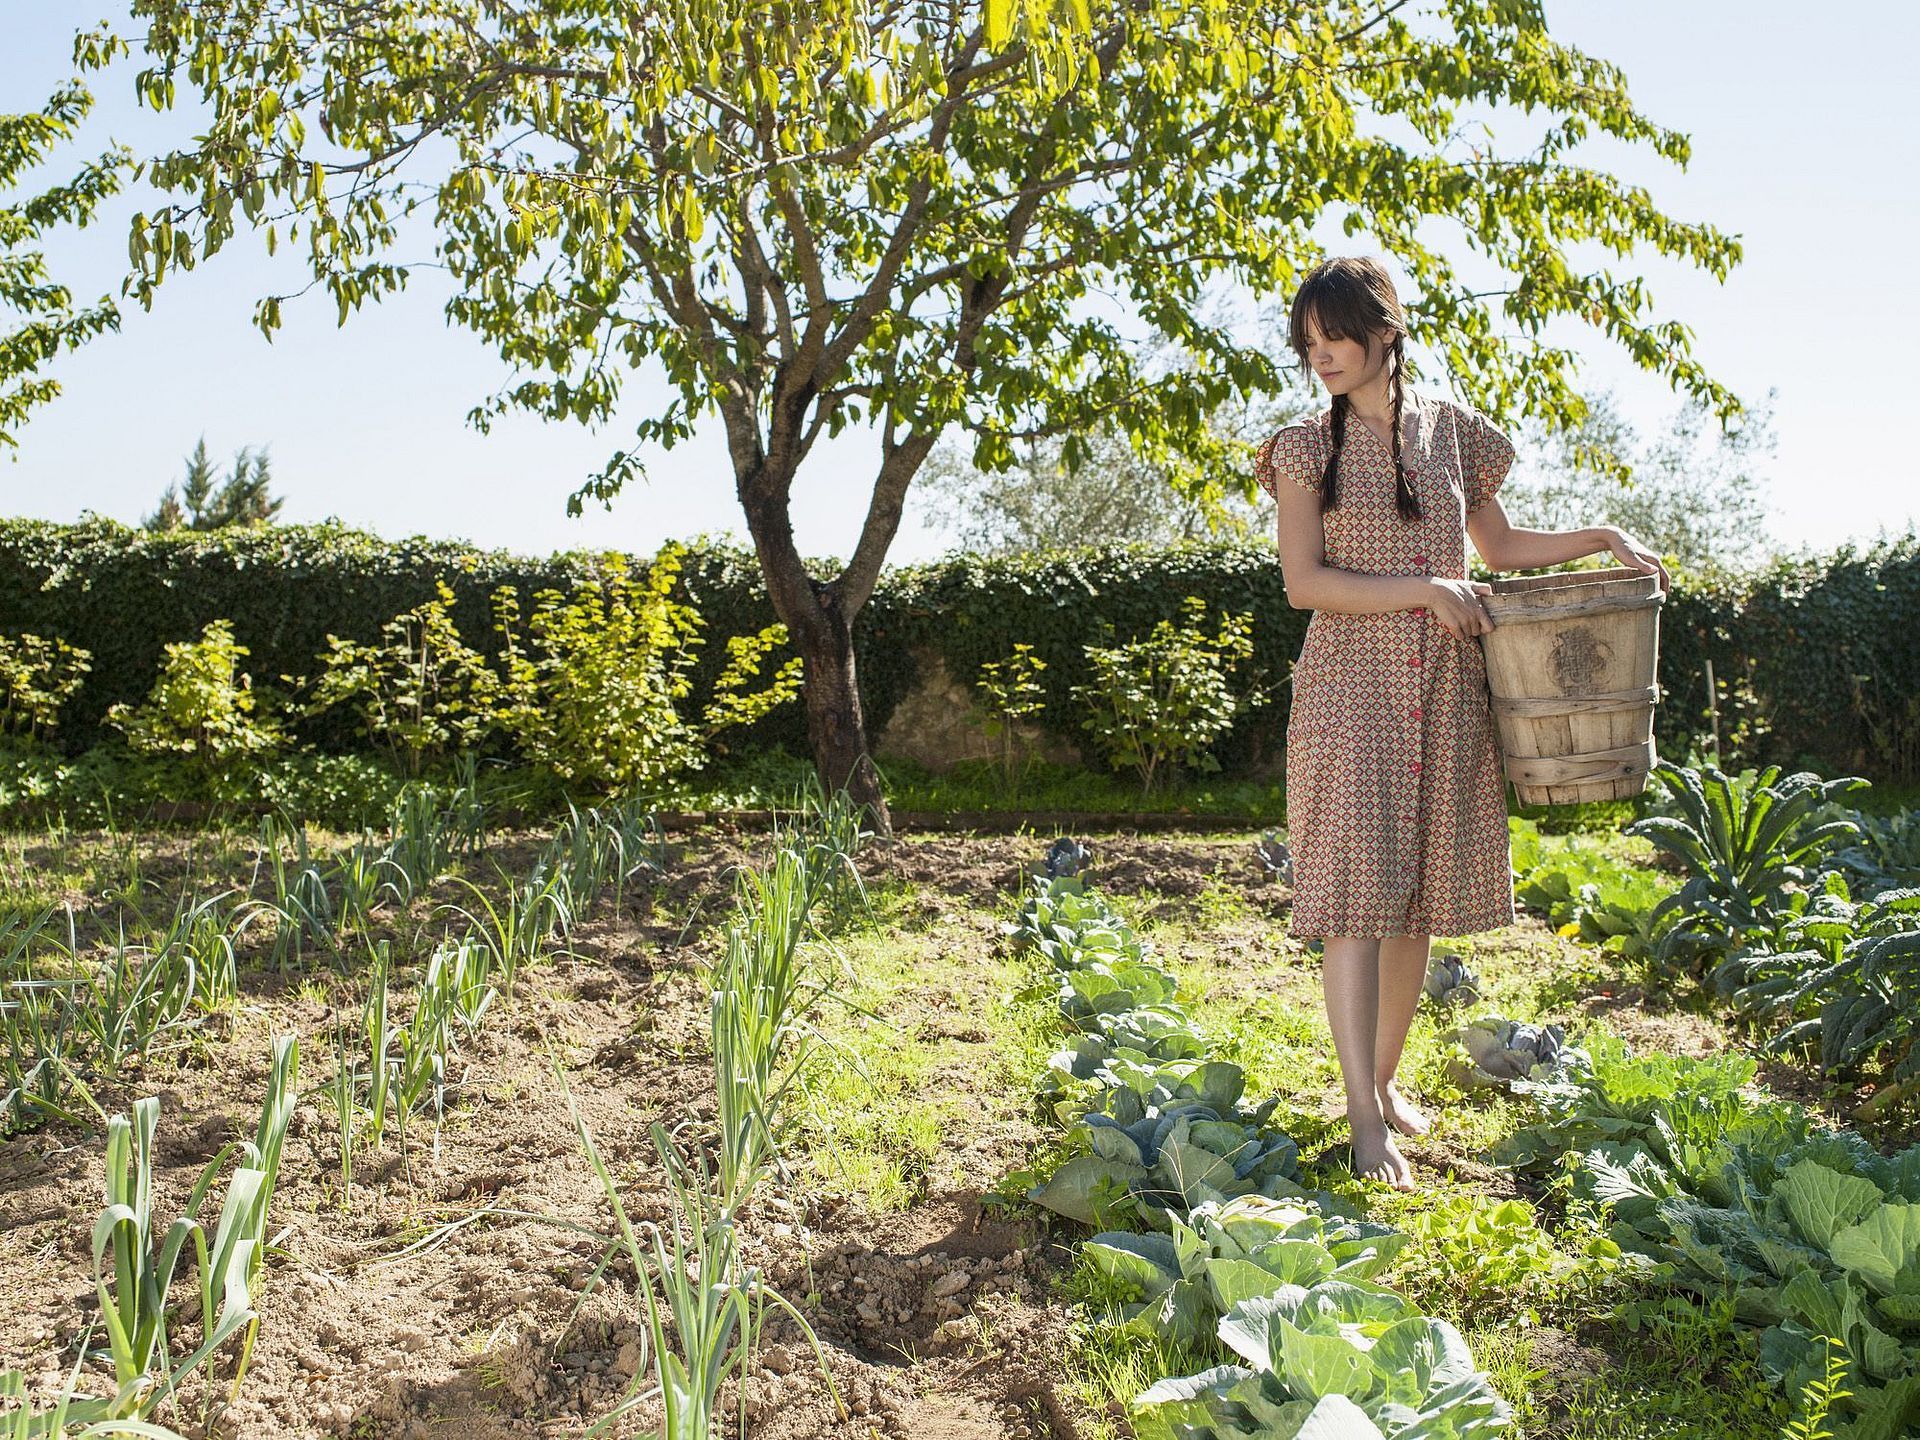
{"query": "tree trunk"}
{"type": "Point", "coordinates": [836, 724]}
{"type": "Point", "coordinates": [819, 621]}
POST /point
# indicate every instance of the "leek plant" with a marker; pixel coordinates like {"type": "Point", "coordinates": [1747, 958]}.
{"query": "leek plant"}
{"type": "Point", "coordinates": [41, 1037]}
{"type": "Point", "coordinates": [133, 1287]}
{"type": "Point", "coordinates": [133, 998]}
{"type": "Point", "coordinates": [301, 904]}
{"type": "Point", "coordinates": [367, 876]}
{"type": "Point", "coordinates": [764, 993]}
{"type": "Point", "coordinates": [458, 976]}
{"type": "Point", "coordinates": [828, 830]}
{"type": "Point", "coordinates": [377, 1028]}
{"type": "Point", "coordinates": [407, 1064]}
{"type": "Point", "coordinates": [18, 1421]}
{"type": "Point", "coordinates": [705, 1324]}
{"type": "Point", "coordinates": [200, 930]}
{"type": "Point", "coordinates": [606, 847]}
{"type": "Point", "coordinates": [517, 931]}
{"type": "Point", "coordinates": [423, 834]}
{"type": "Point", "coordinates": [343, 1092]}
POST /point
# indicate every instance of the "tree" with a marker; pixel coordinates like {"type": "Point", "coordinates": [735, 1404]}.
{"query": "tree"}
{"type": "Point", "coordinates": [1692, 494]}
{"type": "Point", "coordinates": [1113, 496]}
{"type": "Point", "coordinates": [38, 318]}
{"type": "Point", "coordinates": [851, 213]}
{"type": "Point", "coordinates": [200, 502]}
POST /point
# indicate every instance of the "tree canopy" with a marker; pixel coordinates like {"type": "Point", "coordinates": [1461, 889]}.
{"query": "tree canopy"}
{"type": "Point", "coordinates": [38, 317]}
{"type": "Point", "coordinates": [813, 216]}
{"type": "Point", "coordinates": [202, 501]}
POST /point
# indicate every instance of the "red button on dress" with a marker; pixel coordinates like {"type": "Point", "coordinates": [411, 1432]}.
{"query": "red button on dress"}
{"type": "Point", "coordinates": [1419, 559]}
{"type": "Point", "coordinates": [1416, 712]}
{"type": "Point", "coordinates": [1365, 865]}
{"type": "Point", "coordinates": [1415, 767]}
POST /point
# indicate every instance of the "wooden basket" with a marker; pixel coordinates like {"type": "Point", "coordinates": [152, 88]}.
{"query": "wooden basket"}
{"type": "Point", "coordinates": [1572, 662]}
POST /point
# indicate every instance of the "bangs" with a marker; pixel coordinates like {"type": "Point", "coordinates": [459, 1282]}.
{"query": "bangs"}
{"type": "Point", "coordinates": [1337, 301]}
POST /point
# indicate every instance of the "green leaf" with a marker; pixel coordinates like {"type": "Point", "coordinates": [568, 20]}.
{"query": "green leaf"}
{"type": "Point", "coordinates": [1883, 1249]}
{"type": "Point", "coordinates": [1822, 1202]}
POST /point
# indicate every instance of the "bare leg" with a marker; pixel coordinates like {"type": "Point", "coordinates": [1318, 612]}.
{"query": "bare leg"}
{"type": "Point", "coordinates": [1403, 970]}
{"type": "Point", "coordinates": [1351, 974]}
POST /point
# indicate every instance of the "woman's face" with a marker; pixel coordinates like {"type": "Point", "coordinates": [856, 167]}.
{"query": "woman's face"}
{"type": "Point", "coordinates": [1344, 365]}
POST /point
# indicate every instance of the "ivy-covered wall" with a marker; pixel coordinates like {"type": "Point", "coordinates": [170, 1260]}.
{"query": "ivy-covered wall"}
{"type": "Point", "coordinates": [1815, 660]}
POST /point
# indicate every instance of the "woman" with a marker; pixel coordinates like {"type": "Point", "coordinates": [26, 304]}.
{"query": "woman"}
{"type": "Point", "coordinates": [1396, 801]}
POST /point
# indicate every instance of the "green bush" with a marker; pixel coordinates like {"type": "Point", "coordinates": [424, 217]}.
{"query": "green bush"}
{"type": "Point", "coordinates": [420, 694]}
{"type": "Point", "coordinates": [37, 677]}
{"type": "Point", "coordinates": [202, 706]}
{"type": "Point", "coordinates": [597, 692]}
{"type": "Point", "coordinates": [1162, 701]}
{"type": "Point", "coordinates": [1813, 661]}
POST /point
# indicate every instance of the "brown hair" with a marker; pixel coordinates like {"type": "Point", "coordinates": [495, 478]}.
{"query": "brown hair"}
{"type": "Point", "coordinates": [1351, 298]}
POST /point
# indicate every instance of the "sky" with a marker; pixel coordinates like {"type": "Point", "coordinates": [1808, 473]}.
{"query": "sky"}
{"type": "Point", "coordinates": [1801, 147]}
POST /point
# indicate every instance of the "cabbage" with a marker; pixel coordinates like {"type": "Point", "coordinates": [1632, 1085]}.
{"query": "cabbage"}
{"type": "Point", "coordinates": [1450, 982]}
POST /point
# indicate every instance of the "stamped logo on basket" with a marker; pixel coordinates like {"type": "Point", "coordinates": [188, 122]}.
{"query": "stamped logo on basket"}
{"type": "Point", "coordinates": [1577, 660]}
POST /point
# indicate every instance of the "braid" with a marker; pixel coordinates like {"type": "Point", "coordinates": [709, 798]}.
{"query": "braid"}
{"type": "Point", "coordinates": [1404, 498]}
{"type": "Point", "coordinates": [1330, 482]}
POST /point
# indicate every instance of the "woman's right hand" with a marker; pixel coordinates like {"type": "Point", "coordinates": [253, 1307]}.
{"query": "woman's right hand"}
{"type": "Point", "coordinates": [1456, 604]}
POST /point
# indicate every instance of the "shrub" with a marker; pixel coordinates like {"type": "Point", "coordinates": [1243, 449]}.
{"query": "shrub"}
{"type": "Point", "coordinates": [1013, 693]}
{"type": "Point", "coordinates": [593, 692]}
{"type": "Point", "coordinates": [37, 677]}
{"type": "Point", "coordinates": [1162, 701]}
{"type": "Point", "coordinates": [418, 694]}
{"type": "Point", "coordinates": [202, 706]}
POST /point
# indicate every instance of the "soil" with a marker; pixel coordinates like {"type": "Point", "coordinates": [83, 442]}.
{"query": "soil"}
{"type": "Point", "coordinates": [452, 1292]}
{"type": "Point", "coordinates": [449, 1298]}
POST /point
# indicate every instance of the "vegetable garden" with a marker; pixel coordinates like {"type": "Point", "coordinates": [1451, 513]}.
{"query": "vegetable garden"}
{"type": "Point", "coordinates": [446, 1127]}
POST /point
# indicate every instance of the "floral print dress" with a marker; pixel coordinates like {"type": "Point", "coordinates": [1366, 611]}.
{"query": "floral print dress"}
{"type": "Point", "coordinates": [1396, 800]}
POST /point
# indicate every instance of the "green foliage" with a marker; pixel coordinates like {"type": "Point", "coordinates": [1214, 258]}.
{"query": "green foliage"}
{"type": "Point", "coordinates": [1163, 700]}
{"type": "Point", "coordinates": [46, 321]}
{"type": "Point", "coordinates": [203, 503]}
{"type": "Point", "coordinates": [1012, 692]}
{"type": "Point", "coordinates": [37, 677]}
{"type": "Point", "coordinates": [1742, 845]}
{"type": "Point", "coordinates": [1846, 978]}
{"type": "Point", "coordinates": [596, 692]}
{"type": "Point", "coordinates": [1176, 1287]}
{"type": "Point", "coordinates": [202, 706]}
{"type": "Point", "coordinates": [1473, 1253]}
{"type": "Point", "coordinates": [118, 592]}
{"type": "Point", "coordinates": [1331, 1359]}
{"type": "Point", "coordinates": [421, 693]}
{"type": "Point", "coordinates": [133, 1289]}
{"type": "Point", "coordinates": [1812, 1233]}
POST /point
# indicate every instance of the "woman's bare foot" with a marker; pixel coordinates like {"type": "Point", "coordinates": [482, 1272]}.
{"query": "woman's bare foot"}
{"type": "Point", "coordinates": [1376, 1157]}
{"type": "Point", "coordinates": [1399, 1112]}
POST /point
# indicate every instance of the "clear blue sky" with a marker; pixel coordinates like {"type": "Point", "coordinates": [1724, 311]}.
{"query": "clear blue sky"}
{"type": "Point", "coordinates": [1803, 146]}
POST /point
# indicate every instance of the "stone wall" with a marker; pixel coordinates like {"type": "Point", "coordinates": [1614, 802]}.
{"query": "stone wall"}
{"type": "Point", "coordinates": [938, 724]}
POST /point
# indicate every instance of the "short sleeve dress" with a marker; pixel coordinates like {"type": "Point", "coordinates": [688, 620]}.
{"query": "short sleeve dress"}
{"type": "Point", "coordinates": [1396, 800]}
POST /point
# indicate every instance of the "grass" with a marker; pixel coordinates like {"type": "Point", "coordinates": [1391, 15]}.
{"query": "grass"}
{"type": "Point", "coordinates": [1687, 1370]}
{"type": "Point", "coordinates": [926, 1051]}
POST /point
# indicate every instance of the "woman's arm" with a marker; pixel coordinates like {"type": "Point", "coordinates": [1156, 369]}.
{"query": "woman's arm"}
{"type": "Point", "coordinates": [1312, 584]}
{"type": "Point", "coordinates": [1504, 547]}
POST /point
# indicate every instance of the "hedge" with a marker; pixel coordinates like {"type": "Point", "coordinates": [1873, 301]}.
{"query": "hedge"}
{"type": "Point", "coordinates": [1814, 657]}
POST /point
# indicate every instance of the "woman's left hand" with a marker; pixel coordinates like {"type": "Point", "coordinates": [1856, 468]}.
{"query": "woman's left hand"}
{"type": "Point", "coordinates": [1635, 556]}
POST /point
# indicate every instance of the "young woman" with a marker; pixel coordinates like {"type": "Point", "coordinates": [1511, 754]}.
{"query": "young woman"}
{"type": "Point", "coordinates": [1396, 801]}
